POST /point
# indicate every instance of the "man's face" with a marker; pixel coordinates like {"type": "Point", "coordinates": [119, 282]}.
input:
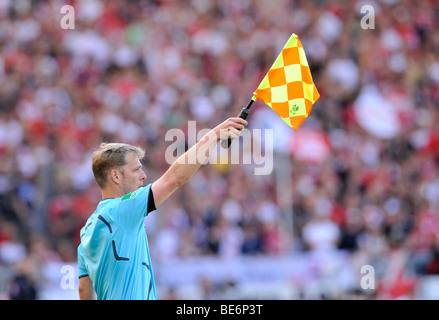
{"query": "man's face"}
{"type": "Point", "coordinates": [132, 174]}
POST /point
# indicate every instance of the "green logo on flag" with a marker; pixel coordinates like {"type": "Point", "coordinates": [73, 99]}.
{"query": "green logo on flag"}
{"type": "Point", "coordinates": [293, 109]}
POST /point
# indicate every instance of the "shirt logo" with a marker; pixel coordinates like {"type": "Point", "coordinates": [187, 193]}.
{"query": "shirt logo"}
{"type": "Point", "coordinates": [129, 195]}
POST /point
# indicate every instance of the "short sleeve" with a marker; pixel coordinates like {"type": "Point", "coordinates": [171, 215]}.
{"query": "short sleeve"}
{"type": "Point", "coordinates": [135, 206]}
{"type": "Point", "coordinates": [82, 270]}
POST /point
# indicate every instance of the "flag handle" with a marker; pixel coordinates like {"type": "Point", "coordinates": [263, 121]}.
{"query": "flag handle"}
{"type": "Point", "coordinates": [243, 115]}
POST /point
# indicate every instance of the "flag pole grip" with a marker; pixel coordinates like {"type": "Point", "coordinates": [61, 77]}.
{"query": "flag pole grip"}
{"type": "Point", "coordinates": [243, 115]}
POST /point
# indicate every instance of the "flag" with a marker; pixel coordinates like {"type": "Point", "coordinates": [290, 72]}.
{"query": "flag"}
{"type": "Point", "coordinates": [288, 87]}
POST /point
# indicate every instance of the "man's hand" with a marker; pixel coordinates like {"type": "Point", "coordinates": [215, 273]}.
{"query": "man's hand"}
{"type": "Point", "coordinates": [230, 128]}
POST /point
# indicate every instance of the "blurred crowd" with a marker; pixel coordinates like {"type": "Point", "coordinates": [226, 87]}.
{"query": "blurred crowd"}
{"type": "Point", "coordinates": [364, 164]}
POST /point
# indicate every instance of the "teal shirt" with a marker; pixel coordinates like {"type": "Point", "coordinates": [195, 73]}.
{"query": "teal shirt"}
{"type": "Point", "coordinates": [114, 249]}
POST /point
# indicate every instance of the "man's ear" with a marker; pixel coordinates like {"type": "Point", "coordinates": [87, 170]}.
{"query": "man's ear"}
{"type": "Point", "coordinates": [115, 176]}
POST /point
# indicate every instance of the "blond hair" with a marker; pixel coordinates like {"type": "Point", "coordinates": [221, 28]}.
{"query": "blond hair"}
{"type": "Point", "coordinates": [111, 156]}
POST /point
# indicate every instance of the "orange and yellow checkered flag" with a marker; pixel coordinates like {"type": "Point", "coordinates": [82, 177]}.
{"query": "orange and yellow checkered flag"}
{"type": "Point", "coordinates": [288, 87]}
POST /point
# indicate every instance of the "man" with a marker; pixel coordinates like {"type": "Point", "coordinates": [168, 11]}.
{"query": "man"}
{"type": "Point", "coordinates": [113, 257]}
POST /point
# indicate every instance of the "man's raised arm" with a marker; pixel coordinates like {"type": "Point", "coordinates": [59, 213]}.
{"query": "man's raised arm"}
{"type": "Point", "coordinates": [189, 162]}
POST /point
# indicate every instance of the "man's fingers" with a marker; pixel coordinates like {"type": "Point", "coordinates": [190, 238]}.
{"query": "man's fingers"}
{"type": "Point", "coordinates": [231, 128]}
{"type": "Point", "coordinates": [234, 133]}
{"type": "Point", "coordinates": [231, 133]}
{"type": "Point", "coordinates": [241, 121]}
{"type": "Point", "coordinates": [238, 127]}
{"type": "Point", "coordinates": [237, 123]}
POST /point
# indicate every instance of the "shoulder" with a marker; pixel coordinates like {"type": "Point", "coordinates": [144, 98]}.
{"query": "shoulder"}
{"type": "Point", "coordinates": [134, 206]}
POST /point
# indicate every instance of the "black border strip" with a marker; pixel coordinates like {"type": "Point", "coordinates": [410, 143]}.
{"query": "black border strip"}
{"type": "Point", "coordinates": [106, 222]}
{"type": "Point", "coordinates": [116, 255]}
